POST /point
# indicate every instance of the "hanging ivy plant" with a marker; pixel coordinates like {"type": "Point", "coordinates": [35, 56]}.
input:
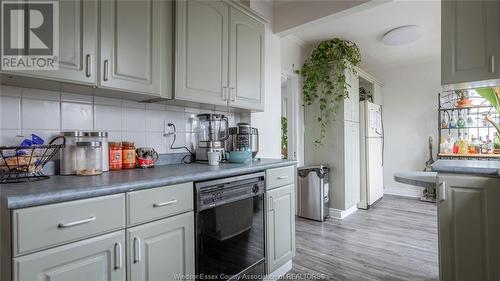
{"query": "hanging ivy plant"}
{"type": "Point", "coordinates": [325, 79]}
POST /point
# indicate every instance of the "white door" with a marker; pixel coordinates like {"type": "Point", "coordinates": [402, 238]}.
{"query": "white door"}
{"type": "Point", "coordinates": [375, 173]}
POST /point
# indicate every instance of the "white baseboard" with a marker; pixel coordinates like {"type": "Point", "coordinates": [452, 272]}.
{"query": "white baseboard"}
{"type": "Point", "coordinates": [280, 272]}
{"type": "Point", "coordinates": [410, 191]}
{"type": "Point", "coordinates": [342, 214]}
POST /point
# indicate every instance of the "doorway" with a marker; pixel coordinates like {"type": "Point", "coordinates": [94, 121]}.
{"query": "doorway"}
{"type": "Point", "coordinates": [292, 128]}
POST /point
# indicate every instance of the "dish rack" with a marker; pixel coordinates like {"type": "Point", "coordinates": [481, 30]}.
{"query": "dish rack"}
{"type": "Point", "coordinates": [25, 163]}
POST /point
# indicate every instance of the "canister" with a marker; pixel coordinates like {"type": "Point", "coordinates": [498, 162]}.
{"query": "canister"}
{"type": "Point", "coordinates": [89, 158]}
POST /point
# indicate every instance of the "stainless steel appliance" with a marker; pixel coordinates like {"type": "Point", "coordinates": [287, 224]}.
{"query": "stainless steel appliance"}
{"type": "Point", "coordinates": [243, 137]}
{"type": "Point", "coordinates": [230, 239]}
{"type": "Point", "coordinates": [313, 192]}
{"type": "Point", "coordinates": [68, 153]}
{"type": "Point", "coordinates": [212, 134]}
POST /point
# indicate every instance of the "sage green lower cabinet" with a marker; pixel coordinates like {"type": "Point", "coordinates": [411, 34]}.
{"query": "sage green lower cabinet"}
{"type": "Point", "coordinates": [469, 228]}
{"type": "Point", "coordinates": [280, 226]}
{"type": "Point", "coordinates": [161, 250]}
{"type": "Point", "coordinates": [101, 258]}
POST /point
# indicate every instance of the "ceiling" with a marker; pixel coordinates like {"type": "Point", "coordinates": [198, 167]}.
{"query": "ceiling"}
{"type": "Point", "coordinates": [367, 27]}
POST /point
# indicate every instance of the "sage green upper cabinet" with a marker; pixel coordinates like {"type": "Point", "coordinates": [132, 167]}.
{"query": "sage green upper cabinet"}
{"type": "Point", "coordinates": [77, 43]}
{"type": "Point", "coordinates": [101, 258]}
{"type": "Point", "coordinates": [469, 41]}
{"type": "Point", "coordinates": [202, 34]}
{"type": "Point", "coordinates": [136, 38]}
{"type": "Point", "coordinates": [246, 61]}
{"type": "Point", "coordinates": [280, 226]}
{"type": "Point", "coordinates": [468, 228]}
{"type": "Point", "coordinates": [161, 250]}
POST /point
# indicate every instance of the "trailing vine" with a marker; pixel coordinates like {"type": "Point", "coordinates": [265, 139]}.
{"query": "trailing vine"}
{"type": "Point", "coordinates": [325, 79]}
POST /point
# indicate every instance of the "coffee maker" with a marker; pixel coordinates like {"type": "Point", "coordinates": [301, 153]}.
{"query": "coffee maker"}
{"type": "Point", "coordinates": [212, 134]}
{"type": "Point", "coordinates": [243, 137]}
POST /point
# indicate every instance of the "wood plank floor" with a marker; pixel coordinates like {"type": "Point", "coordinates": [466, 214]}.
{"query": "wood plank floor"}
{"type": "Point", "coordinates": [395, 240]}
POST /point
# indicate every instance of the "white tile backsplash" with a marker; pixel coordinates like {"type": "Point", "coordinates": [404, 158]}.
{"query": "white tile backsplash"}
{"type": "Point", "coordinates": [45, 113]}
{"type": "Point", "coordinates": [157, 141]}
{"type": "Point", "coordinates": [40, 114]}
{"type": "Point", "coordinates": [108, 117]}
{"type": "Point", "coordinates": [76, 116]}
{"type": "Point", "coordinates": [10, 137]}
{"type": "Point", "coordinates": [10, 110]}
{"type": "Point", "coordinates": [133, 119]}
{"type": "Point", "coordinates": [155, 120]}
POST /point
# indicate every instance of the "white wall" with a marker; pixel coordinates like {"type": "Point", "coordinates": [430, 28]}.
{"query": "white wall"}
{"type": "Point", "coordinates": [410, 117]}
{"type": "Point", "coordinates": [268, 122]}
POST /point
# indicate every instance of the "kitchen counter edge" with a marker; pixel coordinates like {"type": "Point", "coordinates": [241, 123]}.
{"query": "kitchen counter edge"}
{"type": "Point", "coordinates": [10, 199]}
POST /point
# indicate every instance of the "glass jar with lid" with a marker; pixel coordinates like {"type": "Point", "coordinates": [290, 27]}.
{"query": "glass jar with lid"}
{"type": "Point", "coordinates": [88, 158]}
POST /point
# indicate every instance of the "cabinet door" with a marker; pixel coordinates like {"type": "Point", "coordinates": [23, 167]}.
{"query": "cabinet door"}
{"type": "Point", "coordinates": [136, 46]}
{"type": "Point", "coordinates": [77, 43]}
{"type": "Point", "coordinates": [101, 258]}
{"type": "Point", "coordinates": [280, 226]}
{"type": "Point", "coordinates": [469, 232]}
{"type": "Point", "coordinates": [202, 51]}
{"type": "Point", "coordinates": [162, 250]}
{"type": "Point", "coordinates": [246, 61]}
{"type": "Point", "coordinates": [352, 168]}
{"type": "Point", "coordinates": [469, 40]}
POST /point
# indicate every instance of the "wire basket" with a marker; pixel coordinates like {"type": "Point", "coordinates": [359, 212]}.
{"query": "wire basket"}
{"type": "Point", "coordinates": [22, 164]}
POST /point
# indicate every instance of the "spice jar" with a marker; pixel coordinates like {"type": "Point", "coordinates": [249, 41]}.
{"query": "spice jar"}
{"type": "Point", "coordinates": [115, 156]}
{"type": "Point", "coordinates": [128, 155]}
{"type": "Point", "coordinates": [88, 158]}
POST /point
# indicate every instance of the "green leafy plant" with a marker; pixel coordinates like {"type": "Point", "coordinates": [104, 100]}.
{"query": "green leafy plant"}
{"type": "Point", "coordinates": [284, 138]}
{"type": "Point", "coordinates": [325, 79]}
{"type": "Point", "coordinates": [492, 95]}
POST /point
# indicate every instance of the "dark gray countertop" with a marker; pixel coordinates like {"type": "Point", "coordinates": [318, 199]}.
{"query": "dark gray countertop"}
{"type": "Point", "coordinates": [477, 167]}
{"type": "Point", "coordinates": [66, 188]}
{"type": "Point", "coordinates": [423, 179]}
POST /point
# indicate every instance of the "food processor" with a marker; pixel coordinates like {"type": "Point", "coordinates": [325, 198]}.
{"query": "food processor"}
{"type": "Point", "coordinates": [212, 134]}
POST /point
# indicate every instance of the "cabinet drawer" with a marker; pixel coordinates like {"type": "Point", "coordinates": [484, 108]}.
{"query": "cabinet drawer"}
{"type": "Point", "coordinates": [156, 203]}
{"type": "Point", "coordinates": [280, 177]}
{"type": "Point", "coordinates": [42, 227]}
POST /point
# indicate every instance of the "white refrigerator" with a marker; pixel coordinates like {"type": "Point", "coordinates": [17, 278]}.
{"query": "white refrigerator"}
{"type": "Point", "coordinates": [372, 149]}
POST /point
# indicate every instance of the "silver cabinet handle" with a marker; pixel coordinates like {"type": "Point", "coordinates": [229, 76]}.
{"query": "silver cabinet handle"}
{"type": "Point", "coordinates": [88, 72]}
{"type": "Point", "coordinates": [492, 69]}
{"type": "Point", "coordinates": [271, 205]}
{"type": "Point", "coordinates": [106, 70]}
{"type": "Point", "coordinates": [137, 250]}
{"type": "Point", "coordinates": [233, 94]}
{"type": "Point", "coordinates": [442, 192]}
{"type": "Point", "coordinates": [224, 93]}
{"type": "Point", "coordinates": [156, 205]}
{"type": "Point", "coordinates": [282, 177]}
{"type": "Point", "coordinates": [118, 256]}
{"type": "Point", "coordinates": [75, 223]}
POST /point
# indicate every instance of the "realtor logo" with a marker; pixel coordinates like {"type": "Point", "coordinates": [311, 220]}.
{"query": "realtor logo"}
{"type": "Point", "coordinates": [30, 35]}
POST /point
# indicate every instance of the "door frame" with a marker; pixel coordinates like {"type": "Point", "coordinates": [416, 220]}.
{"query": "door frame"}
{"type": "Point", "coordinates": [295, 117]}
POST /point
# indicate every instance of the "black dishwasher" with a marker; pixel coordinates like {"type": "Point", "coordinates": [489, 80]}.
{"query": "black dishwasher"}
{"type": "Point", "coordinates": [230, 240]}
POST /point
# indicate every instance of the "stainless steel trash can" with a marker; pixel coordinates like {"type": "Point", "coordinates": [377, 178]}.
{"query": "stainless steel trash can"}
{"type": "Point", "coordinates": [313, 192]}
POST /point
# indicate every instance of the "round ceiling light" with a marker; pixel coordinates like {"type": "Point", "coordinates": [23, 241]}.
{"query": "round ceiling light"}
{"type": "Point", "coordinates": [402, 35]}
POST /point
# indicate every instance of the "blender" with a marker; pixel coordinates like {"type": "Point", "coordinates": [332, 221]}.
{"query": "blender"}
{"type": "Point", "coordinates": [212, 134]}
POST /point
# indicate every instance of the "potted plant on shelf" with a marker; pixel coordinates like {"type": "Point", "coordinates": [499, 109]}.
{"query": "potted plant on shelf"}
{"type": "Point", "coordinates": [325, 83]}
{"type": "Point", "coordinates": [492, 95]}
{"type": "Point", "coordinates": [464, 100]}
